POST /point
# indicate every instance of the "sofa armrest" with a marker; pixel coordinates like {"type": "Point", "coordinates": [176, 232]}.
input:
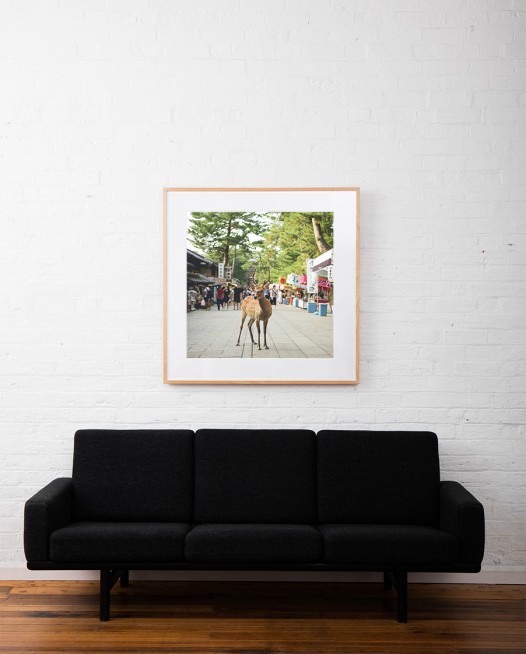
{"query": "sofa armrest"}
{"type": "Point", "coordinates": [462, 515]}
{"type": "Point", "coordinates": [47, 510]}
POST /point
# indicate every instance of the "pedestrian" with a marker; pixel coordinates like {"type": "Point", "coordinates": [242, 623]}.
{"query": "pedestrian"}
{"type": "Point", "coordinates": [237, 297]}
{"type": "Point", "coordinates": [219, 298]}
{"type": "Point", "coordinates": [273, 295]}
{"type": "Point", "coordinates": [226, 297]}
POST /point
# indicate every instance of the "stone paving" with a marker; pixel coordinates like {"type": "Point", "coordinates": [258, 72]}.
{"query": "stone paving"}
{"type": "Point", "coordinates": [292, 333]}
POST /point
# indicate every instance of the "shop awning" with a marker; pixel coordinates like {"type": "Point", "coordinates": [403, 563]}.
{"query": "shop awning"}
{"type": "Point", "coordinates": [197, 278]}
{"type": "Point", "coordinates": [324, 260]}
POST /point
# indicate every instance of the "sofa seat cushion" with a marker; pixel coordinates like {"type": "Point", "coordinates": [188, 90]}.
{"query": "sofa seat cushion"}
{"type": "Point", "coordinates": [119, 541]}
{"type": "Point", "coordinates": [253, 543]}
{"type": "Point", "coordinates": [406, 545]}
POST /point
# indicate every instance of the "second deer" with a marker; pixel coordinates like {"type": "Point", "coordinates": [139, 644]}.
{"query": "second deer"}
{"type": "Point", "coordinates": [258, 309]}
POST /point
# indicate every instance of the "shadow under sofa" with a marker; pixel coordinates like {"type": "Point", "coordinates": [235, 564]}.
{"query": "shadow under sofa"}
{"type": "Point", "coordinates": [266, 499]}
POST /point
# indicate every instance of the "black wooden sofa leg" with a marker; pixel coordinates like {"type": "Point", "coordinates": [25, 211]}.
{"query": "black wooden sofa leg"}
{"type": "Point", "coordinates": [108, 579]}
{"type": "Point", "coordinates": [398, 579]}
{"type": "Point", "coordinates": [105, 590]}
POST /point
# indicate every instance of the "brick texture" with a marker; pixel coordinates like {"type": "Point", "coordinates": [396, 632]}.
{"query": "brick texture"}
{"type": "Point", "coordinates": [418, 102]}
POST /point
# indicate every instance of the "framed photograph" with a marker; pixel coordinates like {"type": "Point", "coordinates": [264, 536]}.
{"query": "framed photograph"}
{"type": "Point", "coordinates": [261, 285]}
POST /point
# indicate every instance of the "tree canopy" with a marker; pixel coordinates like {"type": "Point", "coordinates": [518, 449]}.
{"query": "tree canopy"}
{"type": "Point", "coordinates": [279, 241]}
{"type": "Point", "coordinates": [216, 234]}
{"type": "Point", "coordinates": [294, 237]}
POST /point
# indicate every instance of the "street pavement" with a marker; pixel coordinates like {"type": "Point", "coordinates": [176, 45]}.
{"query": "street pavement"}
{"type": "Point", "coordinates": [292, 333]}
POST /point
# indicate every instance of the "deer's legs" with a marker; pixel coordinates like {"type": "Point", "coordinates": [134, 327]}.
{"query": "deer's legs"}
{"type": "Point", "coordinates": [259, 334]}
{"type": "Point", "coordinates": [265, 334]}
{"type": "Point", "coordinates": [243, 316]}
{"type": "Point", "coordinates": [250, 323]}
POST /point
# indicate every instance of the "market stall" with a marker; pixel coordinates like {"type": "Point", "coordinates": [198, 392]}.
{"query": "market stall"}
{"type": "Point", "coordinates": [320, 276]}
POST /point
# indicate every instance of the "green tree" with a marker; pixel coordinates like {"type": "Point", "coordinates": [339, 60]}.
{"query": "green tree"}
{"type": "Point", "coordinates": [322, 226]}
{"type": "Point", "coordinates": [294, 237]}
{"type": "Point", "coordinates": [223, 236]}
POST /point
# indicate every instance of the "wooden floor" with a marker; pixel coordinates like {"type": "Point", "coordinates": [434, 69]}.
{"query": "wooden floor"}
{"type": "Point", "coordinates": [249, 618]}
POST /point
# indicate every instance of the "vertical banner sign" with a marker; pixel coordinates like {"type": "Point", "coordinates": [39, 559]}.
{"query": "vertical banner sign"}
{"type": "Point", "coordinates": [311, 277]}
{"type": "Point", "coordinates": [221, 270]}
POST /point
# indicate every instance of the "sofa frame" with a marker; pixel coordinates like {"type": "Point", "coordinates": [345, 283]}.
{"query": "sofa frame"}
{"type": "Point", "coordinates": [50, 509]}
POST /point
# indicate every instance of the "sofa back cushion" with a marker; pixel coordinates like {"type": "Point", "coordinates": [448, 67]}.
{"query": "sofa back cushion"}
{"type": "Point", "coordinates": [133, 475]}
{"type": "Point", "coordinates": [375, 477]}
{"type": "Point", "coordinates": [255, 476]}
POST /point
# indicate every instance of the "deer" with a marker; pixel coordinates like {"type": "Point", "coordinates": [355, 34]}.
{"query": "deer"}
{"type": "Point", "coordinates": [258, 309]}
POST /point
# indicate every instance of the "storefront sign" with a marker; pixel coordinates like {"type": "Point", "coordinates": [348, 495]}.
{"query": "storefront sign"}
{"type": "Point", "coordinates": [292, 278]}
{"type": "Point", "coordinates": [311, 277]}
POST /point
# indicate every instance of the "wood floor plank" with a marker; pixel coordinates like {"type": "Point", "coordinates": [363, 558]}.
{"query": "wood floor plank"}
{"type": "Point", "coordinates": [45, 617]}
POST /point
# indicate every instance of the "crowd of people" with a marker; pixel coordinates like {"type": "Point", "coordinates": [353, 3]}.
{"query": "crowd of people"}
{"type": "Point", "coordinates": [227, 296]}
{"type": "Point", "coordinates": [230, 296]}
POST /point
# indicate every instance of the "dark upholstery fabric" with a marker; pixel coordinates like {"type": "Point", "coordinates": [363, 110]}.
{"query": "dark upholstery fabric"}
{"type": "Point", "coordinates": [47, 510]}
{"type": "Point", "coordinates": [133, 475]}
{"type": "Point", "coordinates": [258, 495]}
{"type": "Point", "coordinates": [462, 515]}
{"type": "Point", "coordinates": [249, 476]}
{"type": "Point", "coordinates": [406, 545]}
{"type": "Point", "coordinates": [119, 541]}
{"type": "Point", "coordinates": [371, 477]}
{"type": "Point", "coordinates": [254, 543]}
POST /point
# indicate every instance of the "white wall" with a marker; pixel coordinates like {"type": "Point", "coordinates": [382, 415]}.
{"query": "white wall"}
{"type": "Point", "coordinates": [418, 102]}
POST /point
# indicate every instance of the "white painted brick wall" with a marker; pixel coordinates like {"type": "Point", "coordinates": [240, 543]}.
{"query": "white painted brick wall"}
{"type": "Point", "coordinates": [418, 102]}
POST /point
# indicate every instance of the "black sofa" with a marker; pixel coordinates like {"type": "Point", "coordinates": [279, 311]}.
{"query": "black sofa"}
{"type": "Point", "coordinates": [254, 500]}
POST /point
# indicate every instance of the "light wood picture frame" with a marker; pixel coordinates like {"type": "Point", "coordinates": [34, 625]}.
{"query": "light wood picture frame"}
{"type": "Point", "coordinates": [284, 260]}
